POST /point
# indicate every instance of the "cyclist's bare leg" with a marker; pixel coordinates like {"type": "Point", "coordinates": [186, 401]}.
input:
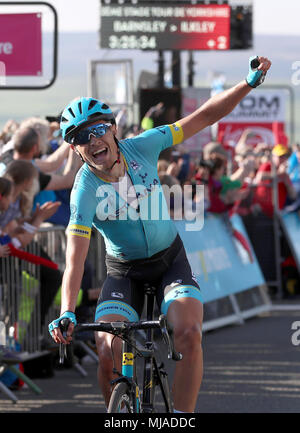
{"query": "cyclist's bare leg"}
{"type": "Point", "coordinates": [186, 315]}
{"type": "Point", "coordinates": [105, 365]}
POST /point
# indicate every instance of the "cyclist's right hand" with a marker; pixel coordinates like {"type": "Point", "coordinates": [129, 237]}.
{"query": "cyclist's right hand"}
{"type": "Point", "coordinates": [55, 331]}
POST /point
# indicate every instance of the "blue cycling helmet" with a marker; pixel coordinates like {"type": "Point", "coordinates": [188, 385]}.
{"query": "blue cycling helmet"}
{"type": "Point", "coordinates": [80, 111]}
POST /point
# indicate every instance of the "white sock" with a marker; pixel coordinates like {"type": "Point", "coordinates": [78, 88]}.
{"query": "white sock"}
{"type": "Point", "coordinates": [178, 411]}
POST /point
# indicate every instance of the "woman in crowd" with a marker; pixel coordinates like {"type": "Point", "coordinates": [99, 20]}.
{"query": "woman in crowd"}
{"type": "Point", "coordinates": [6, 191]}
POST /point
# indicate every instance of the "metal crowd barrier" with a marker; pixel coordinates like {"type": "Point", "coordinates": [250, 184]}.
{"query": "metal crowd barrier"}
{"type": "Point", "coordinates": [52, 239]}
{"type": "Point", "coordinates": [20, 297]}
{"type": "Point", "coordinates": [20, 301]}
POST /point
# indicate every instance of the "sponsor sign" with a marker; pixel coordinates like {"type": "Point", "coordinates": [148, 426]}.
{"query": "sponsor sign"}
{"type": "Point", "coordinates": [259, 106]}
{"type": "Point", "coordinates": [21, 44]}
{"type": "Point", "coordinates": [263, 111]}
{"type": "Point", "coordinates": [171, 26]}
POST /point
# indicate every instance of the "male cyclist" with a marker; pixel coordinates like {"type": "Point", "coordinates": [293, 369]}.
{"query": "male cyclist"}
{"type": "Point", "coordinates": [112, 191]}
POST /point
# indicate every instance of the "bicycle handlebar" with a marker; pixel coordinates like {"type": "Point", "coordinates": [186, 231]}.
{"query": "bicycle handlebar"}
{"type": "Point", "coordinates": [119, 328]}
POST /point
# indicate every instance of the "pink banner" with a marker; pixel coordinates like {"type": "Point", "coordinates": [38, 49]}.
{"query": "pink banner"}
{"type": "Point", "coordinates": [21, 44]}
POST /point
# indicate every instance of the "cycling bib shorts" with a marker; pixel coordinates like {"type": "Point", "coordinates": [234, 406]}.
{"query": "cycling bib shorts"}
{"type": "Point", "coordinates": [168, 271]}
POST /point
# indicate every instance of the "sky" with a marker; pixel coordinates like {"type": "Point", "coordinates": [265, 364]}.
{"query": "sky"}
{"type": "Point", "coordinates": [270, 16]}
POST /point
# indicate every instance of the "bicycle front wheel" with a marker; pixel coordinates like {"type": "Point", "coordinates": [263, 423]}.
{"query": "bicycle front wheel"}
{"type": "Point", "coordinates": [121, 399]}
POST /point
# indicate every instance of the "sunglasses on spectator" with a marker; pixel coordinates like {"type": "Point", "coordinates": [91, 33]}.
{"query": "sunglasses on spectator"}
{"type": "Point", "coordinates": [84, 135]}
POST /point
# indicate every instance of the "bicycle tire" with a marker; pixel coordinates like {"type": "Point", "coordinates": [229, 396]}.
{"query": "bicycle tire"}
{"type": "Point", "coordinates": [120, 396]}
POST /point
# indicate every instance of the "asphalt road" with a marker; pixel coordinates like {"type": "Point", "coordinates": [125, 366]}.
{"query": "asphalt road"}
{"type": "Point", "coordinates": [249, 368]}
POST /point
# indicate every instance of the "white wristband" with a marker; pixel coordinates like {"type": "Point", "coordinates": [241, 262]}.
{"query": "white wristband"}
{"type": "Point", "coordinates": [29, 228]}
{"type": "Point", "coordinates": [16, 243]}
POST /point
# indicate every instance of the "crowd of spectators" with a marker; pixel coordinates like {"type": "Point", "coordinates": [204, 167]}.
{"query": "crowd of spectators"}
{"type": "Point", "coordinates": [37, 171]}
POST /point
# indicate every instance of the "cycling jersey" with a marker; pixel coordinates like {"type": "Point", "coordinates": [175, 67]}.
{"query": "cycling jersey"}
{"type": "Point", "coordinates": [129, 233]}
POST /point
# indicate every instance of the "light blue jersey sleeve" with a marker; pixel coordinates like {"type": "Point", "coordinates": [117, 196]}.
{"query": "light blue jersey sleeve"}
{"type": "Point", "coordinates": [83, 204]}
{"type": "Point", "coordinates": [152, 142]}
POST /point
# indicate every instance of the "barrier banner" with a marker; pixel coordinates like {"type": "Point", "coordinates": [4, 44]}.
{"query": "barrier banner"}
{"type": "Point", "coordinates": [221, 257]}
{"type": "Point", "coordinates": [291, 226]}
{"type": "Point", "coordinates": [21, 44]}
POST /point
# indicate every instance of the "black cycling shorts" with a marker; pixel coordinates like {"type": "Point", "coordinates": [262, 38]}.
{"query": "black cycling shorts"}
{"type": "Point", "coordinates": [168, 271]}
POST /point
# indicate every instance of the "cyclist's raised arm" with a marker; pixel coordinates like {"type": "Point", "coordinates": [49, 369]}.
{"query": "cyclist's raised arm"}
{"type": "Point", "coordinates": [223, 103]}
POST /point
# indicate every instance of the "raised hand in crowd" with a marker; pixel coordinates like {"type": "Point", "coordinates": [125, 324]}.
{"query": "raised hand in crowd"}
{"type": "Point", "coordinates": [4, 251]}
{"type": "Point", "coordinates": [54, 161]}
{"type": "Point", "coordinates": [25, 229]}
{"type": "Point", "coordinates": [44, 212]}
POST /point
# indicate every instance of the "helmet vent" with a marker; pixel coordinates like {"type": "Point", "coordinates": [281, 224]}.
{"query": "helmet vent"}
{"type": "Point", "coordinates": [92, 104]}
{"type": "Point", "coordinates": [105, 107]}
{"type": "Point", "coordinates": [64, 120]}
{"type": "Point", "coordinates": [72, 112]}
{"type": "Point", "coordinates": [80, 107]}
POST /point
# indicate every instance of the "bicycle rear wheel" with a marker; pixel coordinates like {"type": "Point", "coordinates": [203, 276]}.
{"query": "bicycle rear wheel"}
{"type": "Point", "coordinates": [121, 399]}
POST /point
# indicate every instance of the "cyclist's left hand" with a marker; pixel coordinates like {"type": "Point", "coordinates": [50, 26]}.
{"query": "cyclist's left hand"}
{"type": "Point", "coordinates": [55, 331]}
{"type": "Point", "coordinates": [257, 76]}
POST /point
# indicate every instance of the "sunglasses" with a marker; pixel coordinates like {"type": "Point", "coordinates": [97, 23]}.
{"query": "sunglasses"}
{"type": "Point", "coordinates": [84, 135]}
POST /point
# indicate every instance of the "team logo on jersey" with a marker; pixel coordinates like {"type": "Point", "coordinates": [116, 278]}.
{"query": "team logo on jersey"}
{"type": "Point", "coordinates": [161, 129]}
{"type": "Point", "coordinates": [135, 165]}
{"type": "Point", "coordinates": [179, 292]}
{"type": "Point", "coordinates": [117, 295]}
{"type": "Point", "coordinates": [74, 214]}
{"type": "Point", "coordinates": [143, 177]}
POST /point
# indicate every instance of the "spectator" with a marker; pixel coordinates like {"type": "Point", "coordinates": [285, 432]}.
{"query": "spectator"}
{"type": "Point", "coordinates": [42, 127]}
{"type": "Point", "coordinates": [150, 118]}
{"type": "Point", "coordinates": [265, 178]}
{"type": "Point", "coordinates": [27, 147]}
{"type": "Point", "coordinates": [214, 150]}
{"type": "Point", "coordinates": [162, 166]}
{"type": "Point", "coordinates": [6, 134]}
{"type": "Point", "coordinates": [6, 190]}
{"type": "Point", "coordinates": [22, 173]}
{"type": "Point", "coordinates": [6, 193]}
{"type": "Point", "coordinates": [173, 194]}
{"type": "Point", "coordinates": [222, 191]}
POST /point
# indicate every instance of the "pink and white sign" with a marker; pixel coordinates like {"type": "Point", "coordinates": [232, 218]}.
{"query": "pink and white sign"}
{"type": "Point", "coordinates": [262, 111]}
{"type": "Point", "coordinates": [21, 44]}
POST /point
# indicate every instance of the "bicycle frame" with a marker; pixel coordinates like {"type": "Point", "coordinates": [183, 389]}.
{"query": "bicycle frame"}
{"type": "Point", "coordinates": [153, 374]}
{"type": "Point", "coordinates": [150, 365]}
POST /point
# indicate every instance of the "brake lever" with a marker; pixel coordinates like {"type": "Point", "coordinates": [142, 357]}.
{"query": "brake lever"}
{"type": "Point", "coordinates": [63, 326]}
{"type": "Point", "coordinates": [172, 354]}
{"type": "Point", "coordinates": [165, 334]}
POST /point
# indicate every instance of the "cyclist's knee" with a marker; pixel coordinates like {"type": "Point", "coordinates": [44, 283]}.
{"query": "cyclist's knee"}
{"type": "Point", "coordinates": [104, 342]}
{"type": "Point", "coordinates": [188, 338]}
